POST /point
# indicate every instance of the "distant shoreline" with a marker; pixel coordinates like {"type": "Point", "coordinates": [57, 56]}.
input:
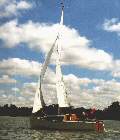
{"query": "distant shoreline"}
{"type": "Point", "coordinates": [112, 112]}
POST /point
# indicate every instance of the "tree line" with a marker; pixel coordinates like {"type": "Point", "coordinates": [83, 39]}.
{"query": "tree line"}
{"type": "Point", "coordinates": [112, 112]}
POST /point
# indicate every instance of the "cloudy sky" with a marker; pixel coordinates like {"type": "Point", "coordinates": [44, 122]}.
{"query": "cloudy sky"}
{"type": "Point", "coordinates": [90, 50]}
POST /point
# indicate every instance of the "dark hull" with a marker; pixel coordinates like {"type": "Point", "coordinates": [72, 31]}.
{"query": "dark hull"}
{"type": "Point", "coordinates": [37, 123]}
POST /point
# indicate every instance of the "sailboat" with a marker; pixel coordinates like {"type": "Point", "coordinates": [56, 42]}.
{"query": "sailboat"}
{"type": "Point", "coordinates": [61, 121]}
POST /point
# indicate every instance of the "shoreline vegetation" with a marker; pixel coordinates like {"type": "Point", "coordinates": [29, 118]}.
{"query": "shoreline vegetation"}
{"type": "Point", "coordinates": [112, 112]}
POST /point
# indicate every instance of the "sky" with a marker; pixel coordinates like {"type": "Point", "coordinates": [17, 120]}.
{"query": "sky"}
{"type": "Point", "coordinates": [90, 50]}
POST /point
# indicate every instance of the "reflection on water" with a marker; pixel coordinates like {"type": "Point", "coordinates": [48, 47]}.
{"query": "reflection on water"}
{"type": "Point", "coordinates": [18, 128]}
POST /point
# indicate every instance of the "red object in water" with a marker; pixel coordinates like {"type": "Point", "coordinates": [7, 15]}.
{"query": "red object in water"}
{"type": "Point", "coordinates": [99, 126]}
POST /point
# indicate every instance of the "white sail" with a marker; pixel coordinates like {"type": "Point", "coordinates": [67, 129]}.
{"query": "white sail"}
{"type": "Point", "coordinates": [47, 61]}
{"type": "Point", "coordinates": [60, 87]}
{"type": "Point", "coordinates": [38, 100]}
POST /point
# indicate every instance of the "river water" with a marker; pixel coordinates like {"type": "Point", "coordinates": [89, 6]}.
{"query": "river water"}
{"type": "Point", "coordinates": [18, 128]}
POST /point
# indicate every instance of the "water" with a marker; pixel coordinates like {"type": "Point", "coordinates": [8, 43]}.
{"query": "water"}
{"type": "Point", "coordinates": [18, 128]}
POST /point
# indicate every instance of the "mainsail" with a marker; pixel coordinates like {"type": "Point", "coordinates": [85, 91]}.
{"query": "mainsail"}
{"type": "Point", "coordinates": [60, 87]}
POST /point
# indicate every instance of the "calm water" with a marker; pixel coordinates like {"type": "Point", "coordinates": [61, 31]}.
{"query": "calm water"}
{"type": "Point", "coordinates": [18, 128]}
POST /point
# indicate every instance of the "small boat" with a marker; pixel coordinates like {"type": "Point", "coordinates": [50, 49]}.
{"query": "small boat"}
{"type": "Point", "coordinates": [62, 121]}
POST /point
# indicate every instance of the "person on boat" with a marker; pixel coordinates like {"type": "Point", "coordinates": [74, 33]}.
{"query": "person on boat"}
{"type": "Point", "coordinates": [84, 116]}
{"type": "Point", "coordinates": [88, 115]}
{"type": "Point", "coordinates": [91, 113]}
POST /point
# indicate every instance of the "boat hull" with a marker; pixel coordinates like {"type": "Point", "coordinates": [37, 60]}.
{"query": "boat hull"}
{"type": "Point", "coordinates": [38, 123]}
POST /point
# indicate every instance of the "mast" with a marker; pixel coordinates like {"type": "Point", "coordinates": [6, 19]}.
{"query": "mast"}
{"type": "Point", "coordinates": [62, 15]}
{"type": "Point", "coordinates": [60, 87]}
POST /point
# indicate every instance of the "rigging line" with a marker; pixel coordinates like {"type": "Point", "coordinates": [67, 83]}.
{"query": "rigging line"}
{"type": "Point", "coordinates": [15, 88]}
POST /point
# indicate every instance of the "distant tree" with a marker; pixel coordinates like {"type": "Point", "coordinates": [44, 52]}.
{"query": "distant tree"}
{"type": "Point", "coordinates": [112, 112]}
